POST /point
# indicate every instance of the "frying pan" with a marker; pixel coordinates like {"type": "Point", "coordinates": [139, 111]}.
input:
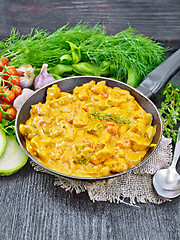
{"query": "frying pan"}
{"type": "Point", "coordinates": [149, 87]}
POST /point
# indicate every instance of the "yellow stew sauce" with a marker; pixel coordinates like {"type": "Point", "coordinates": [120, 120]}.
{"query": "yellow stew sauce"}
{"type": "Point", "coordinates": [96, 131]}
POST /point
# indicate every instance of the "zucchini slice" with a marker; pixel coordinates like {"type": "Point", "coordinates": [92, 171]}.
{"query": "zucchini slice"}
{"type": "Point", "coordinates": [13, 157]}
{"type": "Point", "coordinates": [2, 141]}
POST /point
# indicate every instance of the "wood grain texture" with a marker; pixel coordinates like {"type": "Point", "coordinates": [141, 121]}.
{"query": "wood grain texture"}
{"type": "Point", "coordinates": [159, 19]}
{"type": "Point", "coordinates": [31, 208]}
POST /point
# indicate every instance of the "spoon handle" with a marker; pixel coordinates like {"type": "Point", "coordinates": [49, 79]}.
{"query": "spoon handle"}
{"type": "Point", "coordinates": [176, 151]}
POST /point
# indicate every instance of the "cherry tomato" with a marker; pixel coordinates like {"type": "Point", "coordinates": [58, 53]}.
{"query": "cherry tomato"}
{"type": "Point", "coordinates": [1, 67]}
{"type": "Point", "coordinates": [5, 75]}
{"type": "Point", "coordinates": [2, 91]}
{"type": "Point", "coordinates": [10, 97]}
{"type": "Point", "coordinates": [12, 114]}
{"type": "Point", "coordinates": [3, 61]}
{"type": "Point", "coordinates": [14, 80]}
{"type": "Point", "coordinates": [5, 89]}
{"type": "Point", "coordinates": [13, 71]}
{"type": "Point", "coordinates": [5, 106]}
{"type": "Point", "coordinates": [17, 90]}
{"type": "Point", "coordinates": [1, 116]}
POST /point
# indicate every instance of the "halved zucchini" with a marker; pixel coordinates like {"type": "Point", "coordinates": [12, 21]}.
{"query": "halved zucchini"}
{"type": "Point", "coordinates": [13, 157]}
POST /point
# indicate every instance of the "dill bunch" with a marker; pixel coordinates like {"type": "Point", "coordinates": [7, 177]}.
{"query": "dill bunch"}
{"type": "Point", "coordinates": [40, 46]}
{"type": "Point", "coordinates": [128, 56]}
{"type": "Point", "coordinates": [126, 51]}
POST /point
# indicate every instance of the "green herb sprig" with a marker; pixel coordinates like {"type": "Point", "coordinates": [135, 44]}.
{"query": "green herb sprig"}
{"type": "Point", "coordinates": [170, 111]}
{"type": "Point", "coordinates": [82, 160]}
{"type": "Point", "coordinates": [110, 117]}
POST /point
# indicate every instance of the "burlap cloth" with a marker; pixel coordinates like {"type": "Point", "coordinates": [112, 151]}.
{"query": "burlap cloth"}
{"type": "Point", "coordinates": [131, 188]}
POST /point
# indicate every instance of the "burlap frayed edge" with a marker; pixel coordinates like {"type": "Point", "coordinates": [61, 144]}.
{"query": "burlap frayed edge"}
{"type": "Point", "coordinates": [124, 189]}
{"type": "Point", "coordinates": [107, 190]}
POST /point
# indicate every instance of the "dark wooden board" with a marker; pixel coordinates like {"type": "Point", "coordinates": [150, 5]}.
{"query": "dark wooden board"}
{"type": "Point", "coordinates": [157, 18]}
{"type": "Point", "coordinates": [31, 208]}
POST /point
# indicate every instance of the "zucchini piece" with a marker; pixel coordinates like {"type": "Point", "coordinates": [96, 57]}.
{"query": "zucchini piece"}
{"type": "Point", "coordinates": [2, 141]}
{"type": "Point", "coordinates": [13, 157]}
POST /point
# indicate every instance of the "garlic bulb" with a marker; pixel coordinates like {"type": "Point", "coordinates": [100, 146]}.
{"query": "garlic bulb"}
{"type": "Point", "coordinates": [43, 78]}
{"type": "Point", "coordinates": [26, 73]}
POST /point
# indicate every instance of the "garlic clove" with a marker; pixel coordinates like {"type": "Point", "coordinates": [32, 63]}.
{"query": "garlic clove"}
{"type": "Point", "coordinates": [43, 78]}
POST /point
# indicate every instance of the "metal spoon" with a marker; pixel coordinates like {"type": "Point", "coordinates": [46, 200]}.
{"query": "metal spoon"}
{"type": "Point", "coordinates": [167, 181]}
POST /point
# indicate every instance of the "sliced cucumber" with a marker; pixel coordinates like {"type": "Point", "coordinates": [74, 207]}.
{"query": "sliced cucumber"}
{"type": "Point", "coordinates": [2, 141]}
{"type": "Point", "coordinates": [13, 157]}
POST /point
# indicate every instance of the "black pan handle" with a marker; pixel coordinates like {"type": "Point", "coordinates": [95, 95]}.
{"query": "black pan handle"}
{"type": "Point", "coordinates": [157, 79]}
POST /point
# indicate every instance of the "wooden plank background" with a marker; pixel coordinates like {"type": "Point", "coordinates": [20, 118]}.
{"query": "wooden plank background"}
{"type": "Point", "coordinates": [31, 208]}
{"type": "Point", "coordinates": [156, 18]}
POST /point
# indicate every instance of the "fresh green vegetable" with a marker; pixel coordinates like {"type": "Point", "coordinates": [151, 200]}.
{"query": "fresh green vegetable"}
{"type": "Point", "coordinates": [127, 56]}
{"type": "Point", "coordinates": [8, 126]}
{"type": "Point", "coordinates": [170, 110]}
{"type": "Point", "coordinates": [85, 68]}
{"type": "Point", "coordinates": [76, 53]}
{"type": "Point", "coordinates": [66, 59]}
{"type": "Point", "coordinates": [60, 69]}
{"type": "Point", "coordinates": [13, 157]}
{"type": "Point", "coordinates": [2, 141]}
